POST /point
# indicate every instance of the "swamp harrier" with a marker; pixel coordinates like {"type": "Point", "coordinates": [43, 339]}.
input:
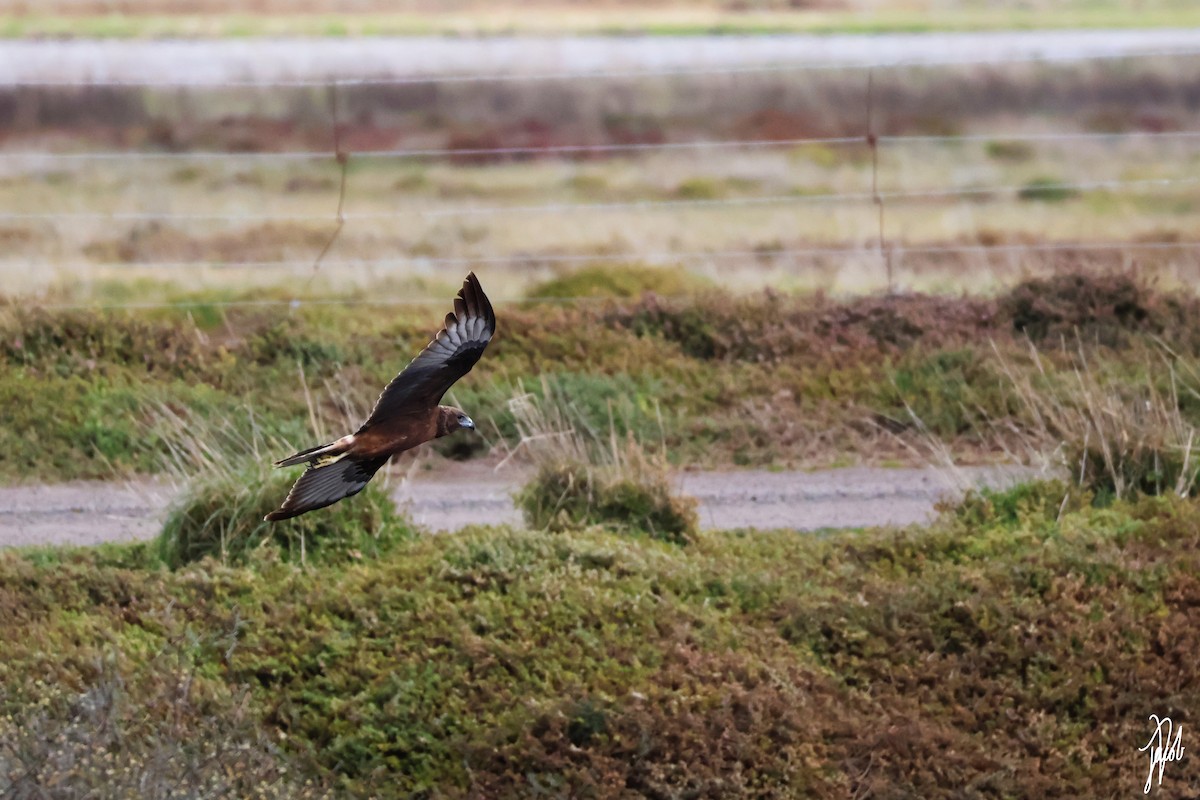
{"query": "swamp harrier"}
{"type": "Point", "coordinates": [407, 413]}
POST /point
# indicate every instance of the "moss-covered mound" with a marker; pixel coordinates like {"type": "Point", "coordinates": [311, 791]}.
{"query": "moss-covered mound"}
{"type": "Point", "coordinates": [1015, 647]}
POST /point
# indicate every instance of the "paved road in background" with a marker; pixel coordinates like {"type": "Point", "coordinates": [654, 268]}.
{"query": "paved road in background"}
{"type": "Point", "coordinates": [448, 500]}
{"type": "Point", "coordinates": [175, 61]}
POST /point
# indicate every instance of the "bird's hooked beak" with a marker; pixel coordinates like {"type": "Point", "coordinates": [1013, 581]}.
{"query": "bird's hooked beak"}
{"type": "Point", "coordinates": [466, 422]}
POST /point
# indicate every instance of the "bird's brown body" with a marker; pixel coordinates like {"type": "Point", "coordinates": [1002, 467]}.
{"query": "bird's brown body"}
{"type": "Point", "coordinates": [406, 415]}
{"type": "Point", "coordinates": [398, 434]}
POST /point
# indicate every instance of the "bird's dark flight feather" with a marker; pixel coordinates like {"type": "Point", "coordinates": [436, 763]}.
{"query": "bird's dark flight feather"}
{"type": "Point", "coordinates": [323, 486]}
{"type": "Point", "coordinates": [453, 351]}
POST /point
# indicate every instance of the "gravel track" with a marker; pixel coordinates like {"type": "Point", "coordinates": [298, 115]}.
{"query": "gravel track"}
{"type": "Point", "coordinates": [450, 499]}
{"type": "Point", "coordinates": [177, 61]}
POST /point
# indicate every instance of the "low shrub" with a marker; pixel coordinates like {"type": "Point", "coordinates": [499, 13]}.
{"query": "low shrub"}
{"type": "Point", "coordinates": [772, 327]}
{"type": "Point", "coordinates": [583, 480]}
{"type": "Point", "coordinates": [78, 341]}
{"type": "Point", "coordinates": [1101, 307]}
{"type": "Point", "coordinates": [1033, 505]}
{"type": "Point", "coordinates": [1015, 152]}
{"type": "Point", "coordinates": [147, 733]}
{"type": "Point", "coordinates": [620, 281]}
{"type": "Point", "coordinates": [573, 495]}
{"type": "Point", "coordinates": [699, 189]}
{"type": "Point", "coordinates": [828, 364]}
{"type": "Point", "coordinates": [1047, 190]}
{"type": "Point", "coordinates": [285, 341]}
{"type": "Point", "coordinates": [949, 391]}
{"type": "Point", "coordinates": [1115, 437]}
{"type": "Point", "coordinates": [221, 516]}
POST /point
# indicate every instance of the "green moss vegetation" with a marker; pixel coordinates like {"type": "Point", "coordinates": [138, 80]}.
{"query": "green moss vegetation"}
{"type": "Point", "coordinates": [1010, 646]}
{"type": "Point", "coordinates": [271, 18]}
{"type": "Point", "coordinates": [765, 379]}
{"type": "Point", "coordinates": [617, 280]}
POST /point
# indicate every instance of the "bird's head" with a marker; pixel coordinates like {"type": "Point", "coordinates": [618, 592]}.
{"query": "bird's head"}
{"type": "Point", "coordinates": [451, 419]}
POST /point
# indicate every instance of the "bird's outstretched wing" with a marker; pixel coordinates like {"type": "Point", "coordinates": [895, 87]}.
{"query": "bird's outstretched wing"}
{"type": "Point", "coordinates": [322, 486]}
{"type": "Point", "coordinates": [451, 354]}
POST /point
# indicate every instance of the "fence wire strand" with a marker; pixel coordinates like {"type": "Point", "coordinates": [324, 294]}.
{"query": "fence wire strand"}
{"type": "Point", "coordinates": [585, 149]}
{"type": "Point", "coordinates": [653, 257]}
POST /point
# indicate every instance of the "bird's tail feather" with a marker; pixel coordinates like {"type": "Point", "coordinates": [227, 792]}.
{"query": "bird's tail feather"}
{"type": "Point", "coordinates": [324, 484]}
{"type": "Point", "coordinates": [320, 455]}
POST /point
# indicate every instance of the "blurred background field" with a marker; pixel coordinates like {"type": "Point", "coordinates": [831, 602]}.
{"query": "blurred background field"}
{"type": "Point", "coordinates": [941, 177]}
{"type": "Point", "coordinates": [123, 18]}
{"type": "Point", "coordinates": [930, 251]}
{"type": "Point", "coordinates": [793, 240]}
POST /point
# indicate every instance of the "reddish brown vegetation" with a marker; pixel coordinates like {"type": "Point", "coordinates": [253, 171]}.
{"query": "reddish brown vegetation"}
{"type": "Point", "coordinates": [541, 113]}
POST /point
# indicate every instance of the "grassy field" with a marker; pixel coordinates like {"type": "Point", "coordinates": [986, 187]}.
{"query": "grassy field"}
{"type": "Point", "coordinates": [151, 18]}
{"type": "Point", "coordinates": [763, 380]}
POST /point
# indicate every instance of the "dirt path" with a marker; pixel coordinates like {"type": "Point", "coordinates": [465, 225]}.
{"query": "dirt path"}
{"type": "Point", "coordinates": [282, 59]}
{"type": "Point", "coordinates": [90, 513]}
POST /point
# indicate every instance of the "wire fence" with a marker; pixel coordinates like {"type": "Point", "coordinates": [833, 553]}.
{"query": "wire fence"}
{"type": "Point", "coordinates": [596, 208]}
{"type": "Point", "coordinates": [15, 157]}
{"type": "Point", "coordinates": [665, 256]}
{"type": "Point", "coordinates": [954, 183]}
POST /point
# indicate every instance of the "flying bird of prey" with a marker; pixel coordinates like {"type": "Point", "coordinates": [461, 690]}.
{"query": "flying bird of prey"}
{"type": "Point", "coordinates": [407, 413]}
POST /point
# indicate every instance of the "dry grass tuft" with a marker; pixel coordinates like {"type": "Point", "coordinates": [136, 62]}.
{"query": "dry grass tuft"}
{"type": "Point", "coordinates": [1117, 438]}
{"type": "Point", "coordinates": [583, 479]}
{"type": "Point", "coordinates": [230, 487]}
